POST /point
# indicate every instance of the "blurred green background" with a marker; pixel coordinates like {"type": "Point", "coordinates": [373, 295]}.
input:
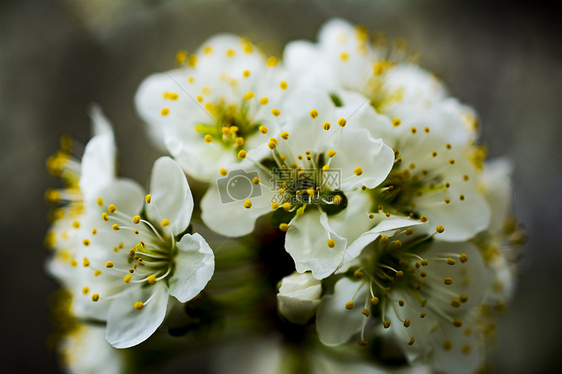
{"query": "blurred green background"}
{"type": "Point", "coordinates": [56, 57]}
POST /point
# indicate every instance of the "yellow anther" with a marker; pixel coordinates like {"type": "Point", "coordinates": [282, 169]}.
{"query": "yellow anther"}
{"type": "Point", "coordinates": [165, 111]}
{"type": "Point", "coordinates": [399, 273]}
{"type": "Point", "coordinates": [230, 52]}
{"type": "Point", "coordinates": [86, 262]}
{"type": "Point", "coordinates": [284, 227]}
{"type": "Point", "coordinates": [344, 56]}
{"type": "Point", "coordinates": [396, 122]}
{"type": "Point", "coordinates": [337, 200]}
{"type": "Point", "coordinates": [386, 324]}
{"type": "Point", "coordinates": [384, 239]}
{"type": "Point", "coordinates": [94, 231]}
{"type": "Point", "coordinates": [331, 153]}
{"type": "Point", "coordinates": [409, 231]}
{"type": "Point", "coordinates": [349, 305]}
{"type": "Point", "coordinates": [342, 122]}
{"type": "Point", "coordinates": [247, 204]}
{"type": "Point", "coordinates": [223, 172]}
{"type": "Point", "coordinates": [287, 206]}
{"type": "Point", "coordinates": [358, 274]}
{"type": "Point", "coordinates": [378, 68]}
{"type": "Point", "coordinates": [239, 141]}
{"type": "Point", "coordinates": [138, 305]}
{"type": "Point", "coordinates": [326, 126]}
{"type": "Point", "coordinates": [275, 112]}
{"type": "Point", "coordinates": [426, 129]}
{"type": "Point", "coordinates": [457, 322]}
{"type": "Point", "coordinates": [284, 135]}
{"type": "Point", "coordinates": [423, 314]}
{"type": "Point", "coordinates": [85, 290]}
{"type": "Point", "coordinates": [397, 243]}
{"type": "Point", "coordinates": [366, 312]}
{"type": "Point", "coordinates": [242, 154]}
{"type": "Point", "coordinates": [264, 100]}
{"type": "Point", "coordinates": [424, 262]}
{"type": "Point", "coordinates": [249, 95]}
{"type": "Point", "coordinates": [451, 261]}
{"type": "Point", "coordinates": [374, 300]}
{"type": "Point", "coordinates": [412, 340]}
{"type": "Point", "coordinates": [263, 129]}
{"type": "Point", "coordinates": [461, 197]}
{"type": "Point", "coordinates": [401, 302]}
{"type": "Point", "coordinates": [283, 85]}
{"type": "Point", "coordinates": [248, 48]}
{"type": "Point", "coordinates": [456, 303]}
{"type": "Point", "coordinates": [463, 298]}
{"type": "Point", "coordinates": [208, 138]}
{"type": "Point", "coordinates": [447, 345]}
{"type": "Point", "coordinates": [325, 167]}
{"type": "Point", "coordinates": [181, 56]}
{"type": "Point", "coordinates": [115, 227]}
{"type": "Point", "coordinates": [151, 279]}
{"type": "Point", "coordinates": [199, 98]}
{"type": "Point", "coordinates": [148, 198]}
{"type": "Point", "coordinates": [190, 79]}
{"type": "Point", "coordinates": [95, 297]}
{"type": "Point", "coordinates": [99, 201]}
{"type": "Point", "coordinates": [86, 242]}
{"type": "Point", "coordinates": [97, 273]}
{"type": "Point", "coordinates": [448, 146]}
{"type": "Point", "coordinates": [165, 222]}
{"type": "Point", "coordinates": [448, 281]}
{"type": "Point", "coordinates": [407, 322]}
{"type": "Point", "coordinates": [466, 349]}
{"type": "Point", "coordinates": [423, 274]}
{"type": "Point", "coordinates": [465, 177]}
{"type": "Point", "coordinates": [76, 224]}
{"type": "Point", "coordinates": [246, 73]}
{"type": "Point", "coordinates": [272, 61]}
{"type": "Point", "coordinates": [127, 278]}
{"type": "Point", "coordinates": [112, 208]}
{"type": "Point", "coordinates": [363, 343]}
{"type": "Point", "coordinates": [434, 154]}
{"type": "Point", "coordinates": [281, 191]}
{"type": "Point", "coordinates": [331, 243]}
{"type": "Point", "coordinates": [447, 200]}
{"type": "Point", "coordinates": [136, 220]}
{"type": "Point", "coordinates": [109, 264]}
{"type": "Point", "coordinates": [272, 145]}
{"type": "Point", "coordinates": [413, 130]}
{"type": "Point", "coordinates": [313, 113]}
{"type": "Point", "coordinates": [440, 229]}
{"type": "Point", "coordinates": [463, 258]}
{"type": "Point", "coordinates": [256, 180]}
{"type": "Point", "coordinates": [423, 218]}
{"type": "Point", "coordinates": [358, 171]}
{"type": "Point", "coordinates": [275, 205]}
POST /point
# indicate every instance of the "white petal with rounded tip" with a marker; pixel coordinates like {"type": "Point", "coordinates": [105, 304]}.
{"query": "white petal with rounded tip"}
{"type": "Point", "coordinates": [127, 195]}
{"type": "Point", "coordinates": [171, 195]}
{"type": "Point", "coordinates": [126, 326]}
{"type": "Point", "coordinates": [357, 148]}
{"type": "Point", "coordinates": [298, 297]}
{"type": "Point", "coordinates": [496, 183]}
{"type": "Point", "coordinates": [306, 242]}
{"type": "Point", "coordinates": [98, 161]}
{"type": "Point", "coordinates": [334, 323]}
{"type": "Point", "coordinates": [195, 265]}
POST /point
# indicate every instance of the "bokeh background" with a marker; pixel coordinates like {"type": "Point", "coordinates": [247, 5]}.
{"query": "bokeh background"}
{"type": "Point", "coordinates": [56, 57]}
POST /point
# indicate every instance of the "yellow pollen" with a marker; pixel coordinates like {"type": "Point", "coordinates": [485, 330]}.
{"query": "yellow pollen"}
{"type": "Point", "coordinates": [249, 95]}
{"type": "Point", "coordinates": [273, 140]}
{"type": "Point", "coordinates": [95, 297]}
{"type": "Point", "coordinates": [448, 146]}
{"type": "Point", "coordinates": [448, 281]}
{"type": "Point", "coordinates": [208, 138]}
{"type": "Point", "coordinates": [272, 145]}
{"type": "Point", "coordinates": [256, 180]}
{"type": "Point", "coordinates": [247, 204]}
{"type": "Point", "coordinates": [246, 73]}
{"type": "Point", "coordinates": [461, 197]}
{"type": "Point", "coordinates": [397, 243]}
{"type": "Point", "coordinates": [366, 312]}
{"type": "Point", "coordinates": [284, 227]}
{"type": "Point", "coordinates": [287, 206]}
{"type": "Point", "coordinates": [94, 231]}
{"type": "Point", "coordinates": [466, 349]}
{"type": "Point", "coordinates": [463, 298]}
{"type": "Point", "coordinates": [86, 242]}
{"type": "Point", "coordinates": [399, 273]}
{"type": "Point", "coordinates": [456, 303]}
{"type": "Point", "coordinates": [363, 343]}
{"type": "Point", "coordinates": [374, 300]}
{"type": "Point", "coordinates": [423, 218]}
{"type": "Point", "coordinates": [190, 79]}
{"type": "Point", "coordinates": [281, 191]}
{"type": "Point", "coordinates": [447, 200]}
{"type": "Point", "coordinates": [264, 100]}
{"type": "Point", "coordinates": [413, 130]}
{"type": "Point", "coordinates": [396, 122]}
{"type": "Point", "coordinates": [386, 324]}
{"type": "Point", "coordinates": [165, 111]}
{"type": "Point", "coordinates": [313, 113]}
{"type": "Point", "coordinates": [138, 305]}
{"type": "Point", "coordinates": [451, 261]}
{"type": "Point", "coordinates": [148, 198]}
{"type": "Point", "coordinates": [284, 135]}
{"type": "Point", "coordinates": [358, 171]}
{"type": "Point", "coordinates": [275, 205]}
{"type": "Point", "coordinates": [337, 200]}
{"type": "Point", "coordinates": [112, 208]}
{"type": "Point", "coordinates": [463, 258]}
{"type": "Point", "coordinates": [331, 243]}
{"type": "Point", "coordinates": [440, 229]}
{"type": "Point", "coordinates": [344, 56]}
{"type": "Point", "coordinates": [349, 305]}
{"type": "Point", "coordinates": [331, 153]}
{"type": "Point", "coordinates": [230, 52]}
{"type": "Point", "coordinates": [223, 172]}
{"type": "Point", "coordinates": [451, 161]}
{"type": "Point", "coordinates": [407, 322]}
{"type": "Point", "coordinates": [115, 227]}
{"type": "Point", "coordinates": [76, 224]}
{"type": "Point", "coordinates": [151, 279]}
{"type": "Point", "coordinates": [447, 345]}
{"type": "Point", "coordinates": [199, 98]}
{"type": "Point", "coordinates": [423, 274]}
{"type": "Point", "coordinates": [86, 262]}
{"type": "Point", "coordinates": [272, 61]}
{"type": "Point", "coordinates": [181, 56]}
{"type": "Point", "coordinates": [457, 322]}
{"type": "Point", "coordinates": [326, 126]}
{"type": "Point", "coordinates": [342, 122]}
{"type": "Point", "coordinates": [275, 112]}
{"type": "Point", "coordinates": [434, 154]}
{"type": "Point", "coordinates": [263, 130]}
{"type": "Point", "coordinates": [85, 290]}
{"type": "Point", "coordinates": [136, 220]}
{"type": "Point", "coordinates": [378, 68]}
{"type": "Point", "coordinates": [97, 273]}
{"type": "Point", "coordinates": [283, 85]}
{"type": "Point", "coordinates": [127, 278]}
{"type": "Point", "coordinates": [358, 274]}
{"type": "Point", "coordinates": [412, 340]}
{"type": "Point", "coordinates": [401, 302]}
{"type": "Point", "coordinates": [384, 239]}
{"type": "Point", "coordinates": [242, 154]}
{"type": "Point", "coordinates": [109, 264]}
{"type": "Point", "coordinates": [424, 262]}
{"type": "Point", "coordinates": [165, 222]}
{"type": "Point", "coordinates": [409, 231]}
{"type": "Point", "coordinates": [99, 201]}
{"type": "Point", "coordinates": [465, 177]}
{"type": "Point", "coordinates": [325, 167]}
{"type": "Point", "coordinates": [423, 314]}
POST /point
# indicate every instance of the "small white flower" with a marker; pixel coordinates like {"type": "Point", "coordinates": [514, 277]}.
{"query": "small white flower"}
{"type": "Point", "coordinates": [220, 103]}
{"type": "Point", "coordinates": [421, 293]}
{"type": "Point", "coordinates": [298, 297]}
{"type": "Point", "coordinates": [136, 254]}
{"type": "Point", "coordinates": [308, 175]}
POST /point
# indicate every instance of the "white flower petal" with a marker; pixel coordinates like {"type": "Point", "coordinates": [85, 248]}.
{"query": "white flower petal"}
{"type": "Point", "coordinates": [496, 184]}
{"type": "Point", "coordinates": [127, 326]}
{"type": "Point", "coordinates": [127, 195]}
{"type": "Point", "coordinates": [334, 323]}
{"type": "Point", "coordinates": [195, 265]}
{"type": "Point", "coordinates": [306, 242]}
{"type": "Point", "coordinates": [298, 297]}
{"type": "Point", "coordinates": [171, 195]}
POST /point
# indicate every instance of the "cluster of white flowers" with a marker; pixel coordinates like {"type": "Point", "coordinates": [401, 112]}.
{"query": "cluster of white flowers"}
{"type": "Point", "coordinates": [346, 156]}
